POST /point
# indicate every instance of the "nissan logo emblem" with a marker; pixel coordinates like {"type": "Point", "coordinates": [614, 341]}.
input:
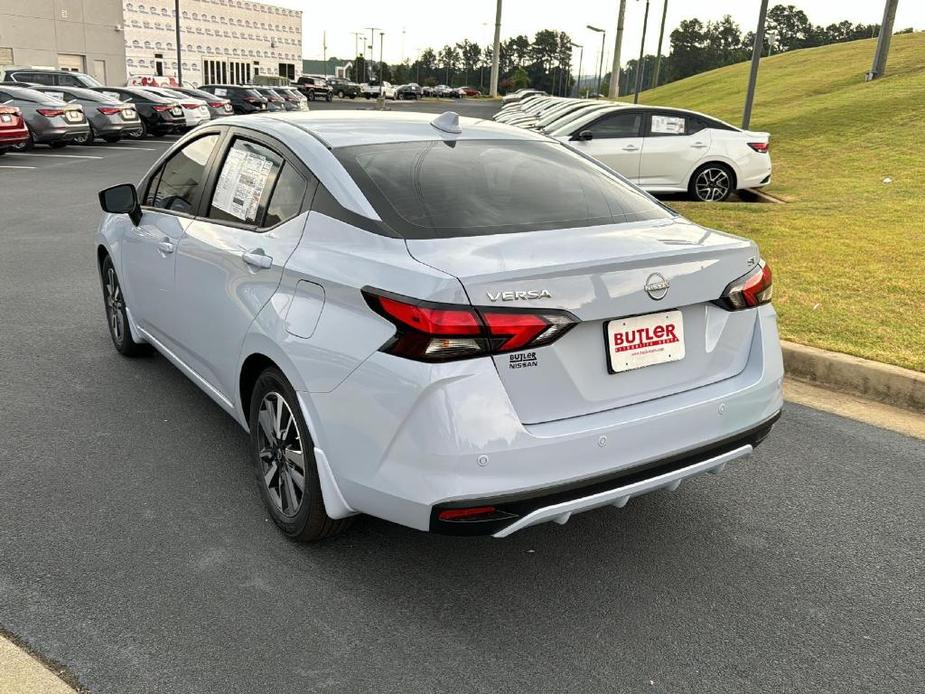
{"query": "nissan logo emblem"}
{"type": "Point", "coordinates": [657, 286]}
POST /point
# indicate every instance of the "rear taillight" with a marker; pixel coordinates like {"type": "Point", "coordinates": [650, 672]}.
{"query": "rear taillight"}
{"type": "Point", "coordinates": [432, 332]}
{"type": "Point", "coordinates": [190, 107]}
{"type": "Point", "coordinates": [752, 289]}
{"type": "Point", "coordinates": [760, 147]}
{"type": "Point", "coordinates": [109, 110]}
{"type": "Point", "coordinates": [216, 104]}
{"type": "Point", "coordinates": [160, 108]}
{"type": "Point", "coordinates": [51, 112]}
{"type": "Point", "coordinates": [252, 99]}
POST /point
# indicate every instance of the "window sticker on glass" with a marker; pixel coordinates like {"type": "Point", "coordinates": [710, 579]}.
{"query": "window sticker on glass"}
{"type": "Point", "coordinates": [114, 95]}
{"type": "Point", "coordinates": [667, 125]}
{"type": "Point", "coordinates": [241, 185]}
{"type": "Point", "coordinates": [221, 92]}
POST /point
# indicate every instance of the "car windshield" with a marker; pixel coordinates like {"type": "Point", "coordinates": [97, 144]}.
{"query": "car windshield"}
{"type": "Point", "coordinates": [437, 189]}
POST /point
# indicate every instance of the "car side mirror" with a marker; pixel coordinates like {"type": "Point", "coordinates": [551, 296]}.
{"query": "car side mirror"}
{"type": "Point", "coordinates": [584, 136]}
{"type": "Point", "coordinates": [122, 199]}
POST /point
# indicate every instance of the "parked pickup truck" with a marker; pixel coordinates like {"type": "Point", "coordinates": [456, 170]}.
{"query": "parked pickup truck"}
{"type": "Point", "coordinates": [371, 91]}
{"type": "Point", "coordinates": [314, 87]}
{"type": "Point", "coordinates": [344, 88]}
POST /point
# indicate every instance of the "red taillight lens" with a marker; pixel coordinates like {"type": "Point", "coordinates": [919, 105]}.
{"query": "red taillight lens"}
{"type": "Point", "coordinates": [109, 110]}
{"type": "Point", "coordinates": [753, 289]}
{"type": "Point", "coordinates": [252, 99]}
{"type": "Point", "coordinates": [216, 104]}
{"type": "Point", "coordinates": [434, 332]}
{"type": "Point", "coordinates": [760, 147]}
{"type": "Point", "coordinates": [190, 107]}
{"type": "Point", "coordinates": [160, 108]}
{"type": "Point", "coordinates": [51, 112]}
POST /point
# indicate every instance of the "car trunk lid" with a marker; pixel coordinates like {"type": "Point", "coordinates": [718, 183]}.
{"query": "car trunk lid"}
{"type": "Point", "coordinates": [600, 274]}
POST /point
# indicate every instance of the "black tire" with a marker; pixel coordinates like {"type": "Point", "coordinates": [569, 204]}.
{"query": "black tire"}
{"type": "Point", "coordinates": [329, 97]}
{"type": "Point", "coordinates": [116, 315]}
{"type": "Point", "coordinates": [139, 134]}
{"type": "Point", "coordinates": [57, 145]}
{"type": "Point", "coordinates": [310, 94]}
{"type": "Point", "coordinates": [111, 139]}
{"type": "Point", "coordinates": [353, 96]}
{"type": "Point", "coordinates": [340, 93]}
{"type": "Point", "coordinates": [713, 182]}
{"type": "Point", "coordinates": [24, 146]}
{"type": "Point", "coordinates": [277, 457]}
{"type": "Point", "coordinates": [2, 151]}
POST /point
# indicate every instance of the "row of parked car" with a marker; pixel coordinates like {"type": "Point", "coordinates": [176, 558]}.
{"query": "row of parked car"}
{"type": "Point", "coordinates": [662, 150]}
{"type": "Point", "coordinates": [59, 114]}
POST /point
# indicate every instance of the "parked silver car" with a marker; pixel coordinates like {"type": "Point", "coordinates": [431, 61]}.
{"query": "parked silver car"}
{"type": "Point", "coordinates": [218, 106]}
{"type": "Point", "coordinates": [195, 110]}
{"type": "Point", "coordinates": [50, 120]}
{"type": "Point", "coordinates": [109, 118]}
{"type": "Point", "coordinates": [293, 98]}
{"type": "Point", "coordinates": [448, 323]}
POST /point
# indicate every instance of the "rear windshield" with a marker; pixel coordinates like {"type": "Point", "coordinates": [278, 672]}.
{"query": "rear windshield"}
{"type": "Point", "coordinates": [436, 189]}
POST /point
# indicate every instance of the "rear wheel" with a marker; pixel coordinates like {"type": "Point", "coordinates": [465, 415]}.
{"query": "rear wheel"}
{"type": "Point", "coordinates": [111, 138]}
{"type": "Point", "coordinates": [329, 97]}
{"type": "Point", "coordinates": [25, 145]}
{"type": "Point", "coordinates": [712, 183]}
{"type": "Point", "coordinates": [57, 145]}
{"type": "Point", "coordinates": [340, 93]}
{"type": "Point", "coordinates": [85, 139]}
{"type": "Point", "coordinates": [140, 133]}
{"type": "Point", "coordinates": [284, 461]}
{"type": "Point", "coordinates": [116, 315]}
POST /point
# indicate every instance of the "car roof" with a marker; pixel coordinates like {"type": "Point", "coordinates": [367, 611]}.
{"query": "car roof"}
{"type": "Point", "coordinates": [347, 128]}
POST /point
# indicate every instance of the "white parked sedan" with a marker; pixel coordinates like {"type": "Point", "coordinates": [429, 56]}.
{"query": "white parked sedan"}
{"type": "Point", "coordinates": [452, 324]}
{"type": "Point", "coordinates": [195, 110]}
{"type": "Point", "coordinates": [668, 150]}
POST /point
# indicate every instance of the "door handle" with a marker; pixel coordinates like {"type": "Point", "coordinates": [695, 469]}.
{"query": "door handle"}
{"type": "Point", "coordinates": [631, 148]}
{"type": "Point", "coordinates": [699, 145]}
{"type": "Point", "coordinates": [165, 247]}
{"type": "Point", "coordinates": [258, 259]}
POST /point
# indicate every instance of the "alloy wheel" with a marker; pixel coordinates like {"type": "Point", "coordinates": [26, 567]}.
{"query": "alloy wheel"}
{"type": "Point", "coordinates": [712, 184]}
{"type": "Point", "coordinates": [282, 457]}
{"type": "Point", "coordinates": [114, 306]}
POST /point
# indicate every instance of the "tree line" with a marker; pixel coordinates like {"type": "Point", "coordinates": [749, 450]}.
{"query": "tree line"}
{"type": "Point", "coordinates": [548, 62]}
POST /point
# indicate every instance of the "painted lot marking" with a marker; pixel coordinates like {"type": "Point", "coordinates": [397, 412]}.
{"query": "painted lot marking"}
{"type": "Point", "coordinates": [60, 156]}
{"type": "Point", "coordinates": [3, 166]}
{"type": "Point", "coordinates": [137, 149]}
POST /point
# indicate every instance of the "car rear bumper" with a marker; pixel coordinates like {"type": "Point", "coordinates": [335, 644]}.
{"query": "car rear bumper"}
{"type": "Point", "coordinates": [61, 133]}
{"type": "Point", "coordinates": [425, 437]}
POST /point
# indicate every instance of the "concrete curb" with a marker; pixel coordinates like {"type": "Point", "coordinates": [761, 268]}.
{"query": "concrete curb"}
{"type": "Point", "coordinates": [892, 385]}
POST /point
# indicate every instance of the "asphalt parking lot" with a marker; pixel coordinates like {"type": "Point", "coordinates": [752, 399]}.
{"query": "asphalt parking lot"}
{"type": "Point", "coordinates": [135, 552]}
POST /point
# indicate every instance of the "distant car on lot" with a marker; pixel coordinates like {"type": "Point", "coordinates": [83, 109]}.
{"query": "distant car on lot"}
{"type": "Point", "coordinates": [109, 118]}
{"type": "Point", "coordinates": [218, 106]}
{"type": "Point", "coordinates": [371, 90]}
{"type": "Point", "coordinates": [195, 110]}
{"type": "Point", "coordinates": [666, 150]}
{"type": "Point", "coordinates": [159, 114]}
{"type": "Point", "coordinates": [468, 91]}
{"type": "Point", "coordinates": [521, 94]}
{"type": "Point", "coordinates": [409, 91]}
{"type": "Point", "coordinates": [444, 91]}
{"type": "Point", "coordinates": [243, 100]}
{"type": "Point", "coordinates": [13, 129]}
{"type": "Point", "coordinates": [427, 90]}
{"type": "Point", "coordinates": [314, 87]}
{"type": "Point", "coordinates": [60, 78]}
{"type": "Point", "coordinates": [455, 325]}
{"type": "Point", "coordinates": [274, 101]}
{"type": "Point", "coordinates": [293, 98]}
{"type": "Point", "coordinates": [344, 88]}
{"type": "Point", "coordinates": [50, 120]}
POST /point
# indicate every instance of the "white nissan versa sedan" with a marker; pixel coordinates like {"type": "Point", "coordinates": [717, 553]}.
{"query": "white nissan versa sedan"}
{"type": "Point", "coordinates": [452, 324]}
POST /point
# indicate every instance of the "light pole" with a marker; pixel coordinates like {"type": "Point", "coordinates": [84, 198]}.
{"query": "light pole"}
{"type": "Point", "coordinates": [176, 9]}
{"type": "Point", "coordinates": [614, 90]}
{"type": "Point", "coordinates": [496, 46]}
{"type": "Point", "coordinates": [756, 58]}
{"type": "Point", "coordinates": [658, 54]}
{"type": "Point", "coordinates": [381, 73]}
{"type": "Point", "coordinates": [581, 55]}
{"type": "Point", "coordinates": [640, 67]}
{"type": "Point", "coordinates": [372, 45]}
{"type": "Point", "coordinates": [883, 40]}
{"type": "Point", "coordinates": [600, 67]}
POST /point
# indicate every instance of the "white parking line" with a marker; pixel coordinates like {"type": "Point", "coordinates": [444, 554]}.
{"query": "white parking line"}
{"type": "Point", "coordinates": [42, 154]}
{"type": "Point", "coordinates": [138, 149]}
{"type": "Point", "coordinates": [3, 166]}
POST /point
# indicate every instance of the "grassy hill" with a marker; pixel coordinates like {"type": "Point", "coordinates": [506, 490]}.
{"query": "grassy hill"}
{"type": "Point", "coordinates": [847, 250]}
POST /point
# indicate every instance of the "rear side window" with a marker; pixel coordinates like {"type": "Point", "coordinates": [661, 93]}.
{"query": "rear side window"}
{"type": "Point", "coordinates": [617, 125]}
{"type": "Point", "coordinates": [245, 183]}
{"type": "Point", "coordinates": [472, 188]}
{"type": "Point", "coordinates": [177, 185]}
{"type": "Point", "coordinates": [37, 77]}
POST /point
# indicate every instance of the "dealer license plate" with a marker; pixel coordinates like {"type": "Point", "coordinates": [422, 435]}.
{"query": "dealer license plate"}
{"type": "Point", "coordinates": [633, 343]}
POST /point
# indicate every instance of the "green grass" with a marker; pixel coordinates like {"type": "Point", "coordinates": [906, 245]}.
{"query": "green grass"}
{"type": "Point", "coordinates": [847, 250]}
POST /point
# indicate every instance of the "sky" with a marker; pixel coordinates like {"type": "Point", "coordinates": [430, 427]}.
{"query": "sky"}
{"type": "Point", "coordinates": [410, 26]}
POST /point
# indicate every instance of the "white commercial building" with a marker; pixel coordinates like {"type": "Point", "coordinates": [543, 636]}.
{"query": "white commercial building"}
{"type": "Point", "coordinates": [221, 40]}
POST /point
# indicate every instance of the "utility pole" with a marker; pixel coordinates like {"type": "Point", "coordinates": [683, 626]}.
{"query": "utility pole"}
{"type": "Point", "coordinates": [756, 58]}
{"type": "Point", "coordinates": [372, 44]}
{"type": "Point", "coordinates": [600, 66]}
{"type": "Point", "coordinates": [496, 50]}
{"type": "Point", "coordinates": [324, 49]}
{"type": "Point", "coordinates": [883, 41]}
{"type": "Point", "coordinates": [176, 9]}
{"type": "Point", "coordinates": [617, 47]}
{"type": "Point", "coordinates": [640, 66]}
{"type": "Point", "coordinates": [381, 73]}
{"type": "Point", "coordinates": [658, 53]}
